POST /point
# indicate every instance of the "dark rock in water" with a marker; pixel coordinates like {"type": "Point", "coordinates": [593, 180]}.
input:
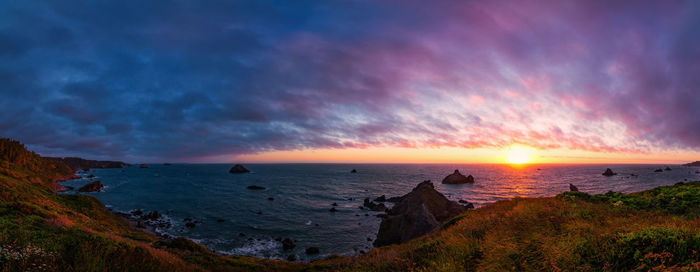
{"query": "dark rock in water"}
{"type": "Point", "coordinates": [238, 169]}
{"type": "Point", "coordinates": [382, 198]}
{"type": "Point", "coordinates": [312, 250]}
{"type": "Point", "coordinates": [255, 187]}
{"type": "Point", "coordinates": [658, 170]}
{"type": "Point", "coordinates": [167, 164]}
{"type": "Point", "coordinates": [154, 215]}
{"type": "Point", "coordinates": [573, 188]}
{"type": "Point", "coordinates": [288, 244]}
{"type": "Point", "coordinates": [292, 258]}
{"type": "Point", "coordinates": [220, 220]}
{"type": "Point", "coordinates": [369, 239]}
{"type": "Point", "coordinates": [697, 172]}
{"type": "Point", "coordinates": [353, 171]}
{"type": "Point", "coordinates": [91, 176]}
{"type": "Point", "coordinates": [241, 234]}
{"type": "Point", "coordinates": [94, 186]}
{"type": "Point", "coordinates": [270, 198]}
{"type": "Point", "coordinates": [144, 165]}
{"type": "Point", "coordinates": [187, 219]}
{"type": "Point", "coordinates": [419, 212]}
{"type": "Point", "coordinates": [457, 178]}
{"type": "Point", "coordinates": [463, 201]}
{"type": "Point", "coordinates": [190, 224]}
{"type": "Point", "coordinates": [333, 210]}
{"type": "Point", "coordinates": [334, 204]}
{"type": "Point", "coordinates": [374, 206]}
{"type": "Point", "coordinates": [608, 172]}
{"type": "Point", "coordinates": [136, 212]}
{"type": "Point", "coordinates": [667, 168]}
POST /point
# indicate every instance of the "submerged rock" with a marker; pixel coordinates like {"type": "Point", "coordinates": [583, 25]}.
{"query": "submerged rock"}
{"type": "Point", "coordinates": [573, 188]}
{"type": "Point", "coordinates": [419, 212]}
{"type": "Point", "coordinates": [608, 172]}
{"type": "Point", "coordinates": [353, 171]}
{"type": "Point", "coordinates": [94, 186]}
{"type": "Point", "coordinates": [457, 178]}
{"type": "Point", "coordinates": [238, 169]}
{"type": "Point", "coordinates": [255, 187]}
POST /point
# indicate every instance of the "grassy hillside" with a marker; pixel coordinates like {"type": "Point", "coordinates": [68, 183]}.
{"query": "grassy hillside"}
{"type": "Point", "coordinates": [655, 230]}
{"type": "Point", "coordinates": [42, 231]}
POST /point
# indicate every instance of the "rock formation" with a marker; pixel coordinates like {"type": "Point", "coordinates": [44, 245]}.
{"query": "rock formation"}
{"type": "Point", "coordinates": [255, 187]}
{"type": "Point", "coordinates": [608, 172]}
{"type": "Point", "coordinates": [91, 187]}
{"type": "Point", "coordinates": [238, 169]}
{"type": "Point", "coordinates": [374, 206]}
{"type": "Point", "coordinates": [457, 178]}
{"type": "Point", "coordinates": [419, 212]}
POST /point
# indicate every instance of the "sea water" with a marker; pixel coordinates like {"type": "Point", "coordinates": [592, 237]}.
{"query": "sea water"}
{"type": "Point", "coordinates": [236, 220]}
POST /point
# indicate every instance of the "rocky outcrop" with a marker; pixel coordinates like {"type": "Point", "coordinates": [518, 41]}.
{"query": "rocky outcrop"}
{"type": "Point", "coordinates": [79, 163]}
{"type": "Point", "coordinates": [658, 170]}
{"type": "Point", "coordinates": [457, 178]}
{"type": "Point", "coordinates": [667, 168]}
{"type": "Point", "coordinates": [353, 171]}
{"type": "Point", "coordinates": [419, 212]}
{"type": "Point", "coordinates": [255, 187]}
{"type": "Point", "coordinates": [609, 172]}
{"type": "Point", "coordinates": [95, 186]}
{"type": "Point", "coordinates": [374, 206]}
{"type": "Point", "coordinates": [238, 169]}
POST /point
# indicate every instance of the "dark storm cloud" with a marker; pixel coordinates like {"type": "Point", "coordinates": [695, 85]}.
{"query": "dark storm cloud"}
{"type": "Point", "coordinates": [182, 80]}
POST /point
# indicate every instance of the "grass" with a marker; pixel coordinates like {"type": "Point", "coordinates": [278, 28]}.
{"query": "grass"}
{"type": "Point", "coordinates": [654, 230]}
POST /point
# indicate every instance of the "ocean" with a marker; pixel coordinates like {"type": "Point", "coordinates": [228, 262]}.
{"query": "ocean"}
{"type": "Point", "coordinates": [235, 220]}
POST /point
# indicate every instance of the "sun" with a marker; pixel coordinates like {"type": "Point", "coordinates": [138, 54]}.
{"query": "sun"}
{"type": "Point", "coordinates": [518, 154]}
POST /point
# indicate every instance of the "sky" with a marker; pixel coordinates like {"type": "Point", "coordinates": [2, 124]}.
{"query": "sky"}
{"type": "Point", "coordinates": [352, 81]}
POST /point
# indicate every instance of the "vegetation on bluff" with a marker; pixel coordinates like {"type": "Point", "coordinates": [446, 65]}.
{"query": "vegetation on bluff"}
{"type": "Point", "coordinates": [658, 229]}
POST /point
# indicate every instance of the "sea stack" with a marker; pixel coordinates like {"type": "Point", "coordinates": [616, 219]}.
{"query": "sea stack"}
{"type": "Point", "coordinates": [419, 212]}
{"type": "Point", "coordinates": [95, 186]}
{"type": "Point", "coordinates": [238, 169]}
{"type": "Point", "coordinates": [608, 172]}
{"type": "Point", "coordinates": [457, 178]}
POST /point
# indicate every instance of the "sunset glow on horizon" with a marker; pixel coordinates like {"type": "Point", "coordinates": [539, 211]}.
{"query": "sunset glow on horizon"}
{"type": "Point", "coordinates": [360, 81]}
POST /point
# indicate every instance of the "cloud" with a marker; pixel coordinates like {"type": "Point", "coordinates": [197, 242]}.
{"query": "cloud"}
{"type": "Point", "coordinates": [192, 79]}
